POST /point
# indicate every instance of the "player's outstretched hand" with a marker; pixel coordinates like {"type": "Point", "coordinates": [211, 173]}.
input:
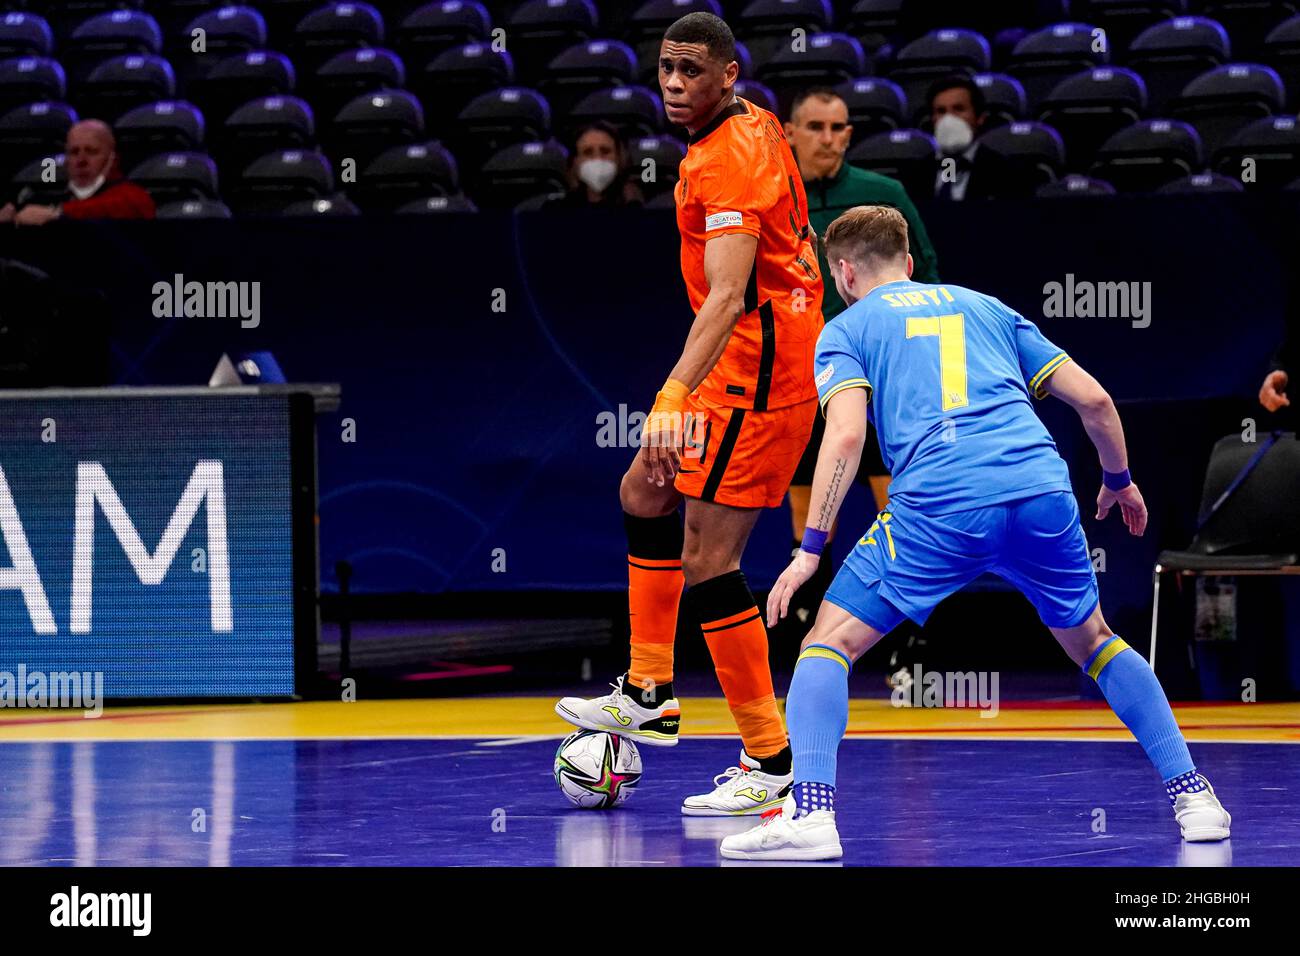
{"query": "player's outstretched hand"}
{"type": "Point", "coordinates": [792, 578]}
{"type": "Point", "coordinates": [1131, 507]}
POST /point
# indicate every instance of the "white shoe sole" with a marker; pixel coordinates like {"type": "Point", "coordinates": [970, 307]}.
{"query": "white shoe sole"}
{"type": "Point", "coordinates": [1206, 834]}
{"type": "Point", "coordinates": [795, 854]}
{"type": "Point", "coordinates": [650, 739]}
{"type": "Point", "coordinates": [754, 811]}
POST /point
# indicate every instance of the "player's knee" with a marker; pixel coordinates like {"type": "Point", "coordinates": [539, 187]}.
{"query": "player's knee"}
{"type": "Point", "coordinates": [698, 565]}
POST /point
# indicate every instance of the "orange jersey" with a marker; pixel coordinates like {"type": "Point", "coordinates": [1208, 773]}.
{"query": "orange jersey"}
{"type": "Point", "coordinates": [739, 176]}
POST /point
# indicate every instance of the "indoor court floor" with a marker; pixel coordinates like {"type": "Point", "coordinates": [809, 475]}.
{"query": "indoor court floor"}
{"type": "Point", "coordinates": [467, 781]}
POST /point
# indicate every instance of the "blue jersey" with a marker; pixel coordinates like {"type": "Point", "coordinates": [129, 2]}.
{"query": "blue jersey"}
{"type": "Point", "coordinates": [949, 372]}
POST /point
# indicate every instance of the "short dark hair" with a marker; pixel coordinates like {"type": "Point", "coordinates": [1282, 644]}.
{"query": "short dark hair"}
{"type": "Point", "coordinates": [823, 93]}
{"type": "Point", "coordinates": [955, 81]}
{"type": "Point", "coordinates": [701, 27]}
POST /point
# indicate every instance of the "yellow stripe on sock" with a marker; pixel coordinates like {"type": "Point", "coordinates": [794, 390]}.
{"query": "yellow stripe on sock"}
{"type": "Point", "coordinates": [827, 653]}
{"type": "Point", "coordinates": [1104, 658]}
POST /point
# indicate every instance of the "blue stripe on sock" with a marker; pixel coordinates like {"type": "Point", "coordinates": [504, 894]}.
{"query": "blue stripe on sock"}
{"type": "Point", "coordinates": [1134, 693]}
{"type": "Point", "coordinates": [817, 714]}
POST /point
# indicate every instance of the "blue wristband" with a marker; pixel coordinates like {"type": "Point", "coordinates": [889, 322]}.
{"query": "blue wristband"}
{"type": "Point", "coordinates": [814, 541]}
{"type": "Point", "coordinates": [1116, 480]}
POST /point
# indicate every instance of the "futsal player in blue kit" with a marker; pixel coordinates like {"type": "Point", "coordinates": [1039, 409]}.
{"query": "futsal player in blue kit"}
{"type": "Point", "coordinates": [946, 375]}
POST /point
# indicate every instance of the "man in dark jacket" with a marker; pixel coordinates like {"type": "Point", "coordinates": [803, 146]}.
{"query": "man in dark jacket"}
{"type": "Point", "coordinates": [97, 189]}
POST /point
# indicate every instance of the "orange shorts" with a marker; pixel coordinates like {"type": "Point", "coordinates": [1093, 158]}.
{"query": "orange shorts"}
{"type": "Point", "coordinates": [740, 457]}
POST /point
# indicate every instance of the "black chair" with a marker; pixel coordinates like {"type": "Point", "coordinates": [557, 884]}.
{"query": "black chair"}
{"type": "Point", "coordinates": [65, 16]}
{"type": "Point", "coordinates": [1125, 19]}
{"type": "Point", "coordinates": [1272, 145]}
{"type": "Point", "coordinates": [447, 83]}
{"type": "Point", "coordinates": [239, 78]}
{"type": "Point", "coordinates": [874, 22]}
{"type": "Point", "coordinates": [585, 68]}
{"type": "Point", "coordinates": [225, 31]}
{"type": "Point", "coordinates": [908, 155]}
{"type": "Point", "coordinates": [33, 131]}
{"type": "Point", "coordinates": [437, 27]}
{"type": "Point", "coordinates": [175, 177]}
{"type": "Point", "coordinates": [1047, 56]}
{"type": "Point", "coordinates": [826, 59]}
{"type": "Point", "coordinates": [1224, 100]}
{"type": "Point", "coordinates": [280, 178]}
{"type": "Point", "coordinates": [649, 20]}
{"type": "Point", "coordinates": [30, 79]}
{"type": "Point", "coordinates": [1199, 184]}
{"type": "Point", "coordinates": [262, 125]}
{"type": "Point", "coordinates": [403, 174]}
{"type": "Point", "coordinates": [194, 209]}
{"type": "Point", "coordinates": [766, 26]}
{"type": "Point", "coordinates": [165, 126]}
{"type": "Point", "coordinates": [32, 185]}
{"type": "Point", "coordinates": [1074, 186]}
{"type": "Point", "coordinates": [495, 120]}
{"type": "Point", "coordinates": [1014, 160]}
{"type": "Point", "coordinates": [1004, 98]}
{"type": "Point", "coordinates": [348, 74]}
{"type": "Point", "coordinates": [25, 34]}
{"type": "Point", "coordinates": [1148, 154]}
{"type": "Point", "coordinates": [521, 171]}
{"type": "Point", "coordinates": [634, 110]}
{"type": "Point", "coordinates": [114, 33]}
{"type": "Point", "coordinates": [1282, 53]}
{"type": "Point", "coordinates": [333, 28]}
{"type": "Point", "coordinates": [124, 82]}
{"type": "Point", "coordinates": [937, 54]}
{"type": "Point", "coordinates": [435, 205]}
{"type": "Point", "coordinates": [1249, 521]}
{"type": "Point", "coordinates": [1249, 21]}
{"type": "Point", "coordinates": [1170, 55]}
{"type": "Point", "coordinates": [1090, 107]}
{"type": "Point", "coordinates": [540, 30]}
{"type": "Point", "coordinates": [661, 157]}
{"type": "Point", "coordinates": [324, 206]}
{"type": "Point", "coordinates": [875, 106]}
{"type": "Point", "coordinates": [374, 122]}
{"type": "Point", "coordinates": [758, 94]}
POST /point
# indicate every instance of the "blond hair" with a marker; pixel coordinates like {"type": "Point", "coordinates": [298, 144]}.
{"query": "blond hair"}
{"type": "Point", "coordinates": [870, 236]}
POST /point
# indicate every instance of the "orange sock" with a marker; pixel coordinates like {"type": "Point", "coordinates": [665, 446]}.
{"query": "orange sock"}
{"type": "Point", "coordinates": [733, 629]}
{"type": "Point", "coordinates": [654, 592]}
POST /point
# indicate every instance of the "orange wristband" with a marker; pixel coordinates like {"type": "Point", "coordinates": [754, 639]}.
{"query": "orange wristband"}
{"type": "Point", "coordinates": [671, 397]}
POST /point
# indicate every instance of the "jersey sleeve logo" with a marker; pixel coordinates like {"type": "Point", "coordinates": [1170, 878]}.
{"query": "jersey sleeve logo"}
{"type": "Point", "coordinates": [825, 376]}
{"type": "Point", "coordinates": [722, 220]}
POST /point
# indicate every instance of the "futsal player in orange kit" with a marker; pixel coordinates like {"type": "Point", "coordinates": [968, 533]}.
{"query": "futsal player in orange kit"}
{"type": "Point", "coordinates": [728, 427]}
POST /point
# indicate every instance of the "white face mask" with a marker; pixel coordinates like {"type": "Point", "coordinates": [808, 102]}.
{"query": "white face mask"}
{"type": "Point", "coordinates": [597, 173]}
{"type": "Point", "coordinates": [953, 133]}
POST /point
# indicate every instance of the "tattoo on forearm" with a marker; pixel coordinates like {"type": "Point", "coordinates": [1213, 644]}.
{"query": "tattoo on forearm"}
{"type": "Point", "coordinates": [827, 514]}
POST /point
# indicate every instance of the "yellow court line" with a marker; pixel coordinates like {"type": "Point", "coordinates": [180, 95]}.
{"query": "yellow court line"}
{"type": "Point", "coordinates": [535, 716]}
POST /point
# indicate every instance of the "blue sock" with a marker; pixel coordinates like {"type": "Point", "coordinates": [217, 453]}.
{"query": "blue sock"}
{"type": "Point", "coordinates": [817, 713]}
{"type": "Point", "coordinates": [1131, 689]}
{"type": "Point", "coordinates": [813, 796]}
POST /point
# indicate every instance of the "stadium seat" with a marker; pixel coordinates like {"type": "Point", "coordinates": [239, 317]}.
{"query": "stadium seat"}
{"type": "Point", "coordinates": [437, 204]}
{"type": "Point", "coordinates": [165, 126]}
{"type": "Point", "coordinates": [1004, 98]}
{"type": "Point", "coordinates": [374, 122]}
{"type": "Point", "coordinates": [1014, 160]}
{"type": "Point", "coordinates": [335, 205]}
{"type": "Point", "coordinates": [908, 155]}
{"type": "Point", "coordinates": [235, 80]}
{"type": "Point", "coordinates": [264, 124]}
{"type": "Point", "coordinates": [194, 209]}
{"type": "Point", "coordinates": [283, 16]}
{"type": "Point", "coordinates": [1074, 186]}
{"type": "Point", "coordinates": [757, 93]}
{"type": "Point", "coordinates": [1200, 183]}
{"type": "Point", "coordinates": [635, 110]}
{"type": "Point", "coordinates": [828, 59]}
{"type": "Point", "coordinates": [875, 106]}
{"type": "Point", "coordinates": [404, 174]}
{"type": "Point", "coordinates": [450, 80]}
{"type": "Point", "coordinates": [584, 68]}
{"type": "Point", "coordinates": [114, 33]}
{"type": "Point", "coordinates": [1047, 56]}
{"type": "Point", "coordinates": [64, 16]}
{"type": "Point", "coordinates": [437, 27]}
{"type": "Point", "coordinates": [1282, 53]}
{"type": "Point", "coordinates": [874, 22]}
{"type": "Point", "coordinates": [25, 34]}
{"type": "Point", "coordinates": [1089, 107]}
{"type": "Point", "coordinates": [173, 177]}
{"type": "Point", "coordinates": [333, 28]}
{"type": "Point", "coordinates": [523, 170]}
{"type": "Point", "coordinates": [33, 131]}
{"type": "Point", "coordinates": [1149, 154]}
{"type": "Point", "coordinates": [123, 82]}
{"type": "Point", "coordinates": [1125, 19]}
{"type": "Point", "coordinates": [31, 183]}
{"type": "Point", "coordinates": [174, 15]}
{"type": "Point", "coordinates": [540, 30]}
{"type": "Point", "coordinates": [938, 53]}
{"type": "Point", "coordinates": [496, 119]}
{"type": "Point", "coordinates": [649, 20]}
{"type": "Point", "coordinates": [661, 156]}
{"type": "Point", "coordinates": [280, 178]}
{"type": "Point", "coordinates": [1220, 102]}
{"type": "Point", "coordinates": [1272, 144]}
{"type": "Point", "coordinates": [348, 74]}
{"type": "Point", "coordinates": [1248, 22]}
{"type": "Point", "coordinates": [766, 26]}
{"type": "Point", "coordinates": [1170, 55]}
{"type": "Point", "coordinates": [30, 79]}
{"type": "Point", "coordinates": [226, 30]}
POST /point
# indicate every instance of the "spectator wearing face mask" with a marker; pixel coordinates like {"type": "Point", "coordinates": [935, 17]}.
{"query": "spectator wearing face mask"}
{"type": "Point", "coordinates": [958, 112]}
{"type": "Point", "coordinates": [598, 173]}
{"type": "Point", "coordinates": [97, 189]}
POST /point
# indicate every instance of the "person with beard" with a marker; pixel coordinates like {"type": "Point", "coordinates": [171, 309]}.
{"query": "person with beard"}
{"type": "Point", "coordinates": [97, 187]}
{"type": "Point", "coordinates": [598, 174]}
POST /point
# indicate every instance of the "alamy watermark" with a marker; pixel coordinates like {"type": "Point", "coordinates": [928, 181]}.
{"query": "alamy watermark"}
{"type": "Point", "coordinates": [1081, 299]}
{"type": "Point", "coordinates": [65, 690]}
{"type": "Point", "coordinates": [922, 688]}
{"type": "Point", "coordinates": [179, 299]}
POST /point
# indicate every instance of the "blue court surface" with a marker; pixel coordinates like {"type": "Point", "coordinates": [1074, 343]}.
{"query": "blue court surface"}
{"type": "Point", "coordinates": [479, 802]}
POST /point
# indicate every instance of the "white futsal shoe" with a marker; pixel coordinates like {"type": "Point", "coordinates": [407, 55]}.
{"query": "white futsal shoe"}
{"type": "Point", "coordinates": [740, 792]}
{"type": "Point", "coordinates": [1202, 816]}
{"type": "Point", "coordinates": [623, 714]}
{"type": "Point", "coordinates": [782, 837]}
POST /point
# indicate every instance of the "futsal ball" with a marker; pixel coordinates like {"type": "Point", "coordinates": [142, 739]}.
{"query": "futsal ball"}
{"type": "Point", "coordinates": [596, 770]}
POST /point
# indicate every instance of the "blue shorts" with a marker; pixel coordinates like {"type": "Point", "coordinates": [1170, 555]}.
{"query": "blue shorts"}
{"type": "Point", "coordinates": [908, 562]}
